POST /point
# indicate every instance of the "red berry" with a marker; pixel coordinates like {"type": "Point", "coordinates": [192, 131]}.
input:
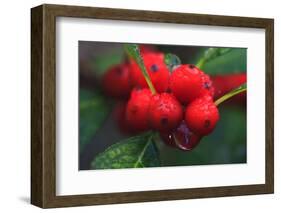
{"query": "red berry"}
{"type": "Point", "coordinates": [146, 48]}
{"type": "Point", "coordinates": [208, 88]}
{"type": "Point", "coordinates": [165, 112]}
{"type": "Point", "coordinates": [202, 115]}
{"type": "Point", "coordinates": [119, 113]}
{"type": "Point", "coordinates": [181, 138]}
{"type": "Point", "coordinates": [156, 68]}
{"type": "Point", "coordinates": [137, 109]}
{"type": "Point", "coordinates": [225, 83]}
{"type": "Point", "coordinates": [116, 81]}
{"type": "Point", "coordinates": [186, 83]}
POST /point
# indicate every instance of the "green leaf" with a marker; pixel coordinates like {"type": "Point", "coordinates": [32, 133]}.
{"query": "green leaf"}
{"type": "Point", "coordinates": [212, 53]}
{"type": "Point", "coordinates": [133, 51]}
{"type": "Point", "coordinates": [232, 62]}
{"type": "Point", "coordinates": [93, 110]}
{"type": "Point", "coordinates": [172, 61]}
{"type": "Point", "coordinates": [135, 152]}
{"type": "Point", "coordinates": [232, 93]}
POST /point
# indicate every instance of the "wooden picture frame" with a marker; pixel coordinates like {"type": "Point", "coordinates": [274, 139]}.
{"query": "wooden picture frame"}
{"type": "Point", "coordinates": [43, 105]}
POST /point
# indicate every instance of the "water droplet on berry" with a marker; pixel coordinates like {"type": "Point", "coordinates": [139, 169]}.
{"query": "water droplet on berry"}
{"type": "Point", "coordinates": [181, 138]}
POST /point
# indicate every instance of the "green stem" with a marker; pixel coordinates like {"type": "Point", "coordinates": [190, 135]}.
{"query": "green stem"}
{"type": "Point", "coordinates": [229, 95]}
{"type": "Point", "coordinates": [133, 51]}
{"type": "Point", "coordinates": [201, 63]}
{"type": "Point", "coordinates": [144, 72]}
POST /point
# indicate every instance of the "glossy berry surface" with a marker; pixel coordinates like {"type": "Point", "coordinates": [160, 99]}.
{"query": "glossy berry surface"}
{"type": "Point", "coordinates": [202, 115]}
{"type": "Point", "coordinates": [186, 83]}
{"type": "Point", "coordinates": [181, 138]}
{"type": "Point", "coordinates": [165, 112]}
{"type": "Point", "coordinates": [137, 109]}
{"type": "Point", "coordinates": [156, 68]}
{"type": "Point", "coordinates": [116, 81]}
{"type": "Point", "coordinates": [208, 88]}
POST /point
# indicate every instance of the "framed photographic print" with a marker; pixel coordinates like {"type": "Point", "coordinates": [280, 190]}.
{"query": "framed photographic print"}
{"type": "Point", "coordinates": [136, 106]}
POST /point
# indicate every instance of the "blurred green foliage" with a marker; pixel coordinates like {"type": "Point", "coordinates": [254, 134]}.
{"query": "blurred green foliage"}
{"type": "Point", "coordinates": [234, 61]}
{"type": "Point", "coordinates": [93, 109]}
{"type": "Point", "coordinates": [102, 62]}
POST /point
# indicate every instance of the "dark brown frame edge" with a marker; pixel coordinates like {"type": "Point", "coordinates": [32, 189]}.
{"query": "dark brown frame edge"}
{"type": "Point", "coordinates": [43, 105]}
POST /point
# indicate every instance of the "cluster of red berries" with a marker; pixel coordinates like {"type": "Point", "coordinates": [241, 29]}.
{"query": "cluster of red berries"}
{"type": "Point", "coordinates": [182, 110]}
